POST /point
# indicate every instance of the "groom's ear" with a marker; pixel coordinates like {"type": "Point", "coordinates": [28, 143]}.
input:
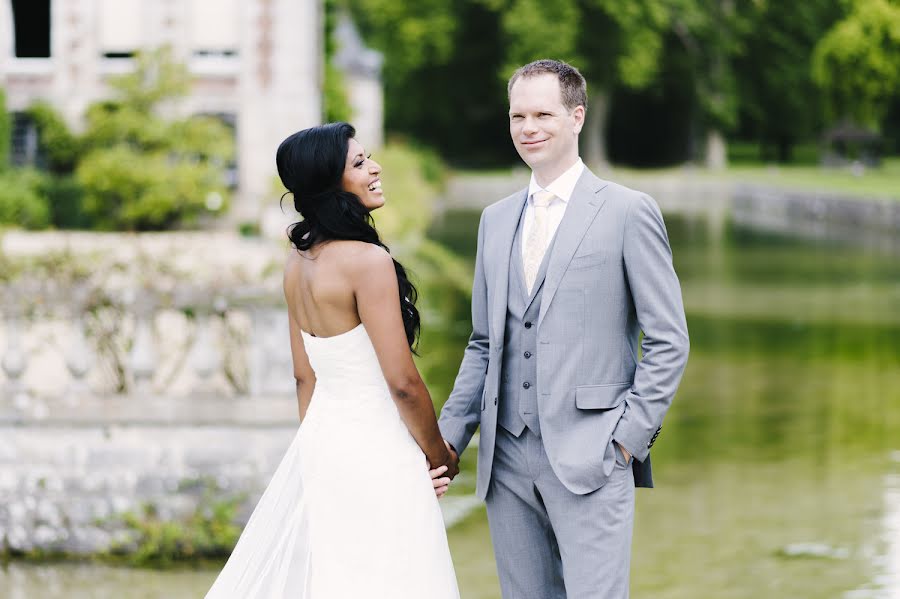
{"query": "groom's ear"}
{"type": "Point", "coordinates": [578, 114]}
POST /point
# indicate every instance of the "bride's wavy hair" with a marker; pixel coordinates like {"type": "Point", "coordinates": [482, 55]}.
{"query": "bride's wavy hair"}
{"type": "Point", "coordinates": [311, 164]}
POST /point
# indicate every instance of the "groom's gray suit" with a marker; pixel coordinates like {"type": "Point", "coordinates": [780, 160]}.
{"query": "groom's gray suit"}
{"type": "Point", "coordinates": [558, 370]}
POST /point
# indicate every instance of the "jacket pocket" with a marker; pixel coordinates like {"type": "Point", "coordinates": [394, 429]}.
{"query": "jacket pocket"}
{"type": "Point", "coordinates": [588, 260]}
{"type": "Point", "coordinates": [600, 397]}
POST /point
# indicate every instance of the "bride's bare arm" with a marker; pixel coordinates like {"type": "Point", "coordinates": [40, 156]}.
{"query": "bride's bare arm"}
{"type": "Point", "coordinates": [378, 303]}
{"type": "Point", "coordinates": [304, 376]}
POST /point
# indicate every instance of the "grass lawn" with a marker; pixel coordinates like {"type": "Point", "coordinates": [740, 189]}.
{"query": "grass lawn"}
{"type": "Point", "coordinates": [881, 182]}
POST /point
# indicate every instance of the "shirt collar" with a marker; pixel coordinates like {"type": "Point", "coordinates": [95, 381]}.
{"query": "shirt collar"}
{"type": "Point", "coordinates": [563, 186]}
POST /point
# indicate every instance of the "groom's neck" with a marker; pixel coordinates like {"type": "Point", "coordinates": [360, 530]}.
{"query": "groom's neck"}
{"type": "Point", "coordinates": [545, 174]}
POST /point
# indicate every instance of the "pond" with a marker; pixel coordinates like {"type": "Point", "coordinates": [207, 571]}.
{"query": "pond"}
{"type": "Point", "coordinates": [778, 468]}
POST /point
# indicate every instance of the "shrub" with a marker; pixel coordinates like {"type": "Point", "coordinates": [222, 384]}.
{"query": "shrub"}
{"type": "Point", "coordinates": [21, 200]}
{"type": "Point", "coordinates": [127, 189]}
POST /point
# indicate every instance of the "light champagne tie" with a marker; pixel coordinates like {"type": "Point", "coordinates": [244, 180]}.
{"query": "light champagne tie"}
{"type": "Point", "coordinates": [537, 241]}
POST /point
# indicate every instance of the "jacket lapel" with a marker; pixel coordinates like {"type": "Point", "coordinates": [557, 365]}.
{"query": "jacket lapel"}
{"type": "Point", "coordinates": [505, 235]}
{"type": "Point", "coordinates": [583, 206]}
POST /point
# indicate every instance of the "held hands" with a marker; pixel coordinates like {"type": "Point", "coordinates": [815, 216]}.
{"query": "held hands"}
{"type": "Point", "coordinates": [442, 475]}
{"type": "Point", "coordinates": [441, 483]}
{"type": "Point", "coordinates": [453, 465]}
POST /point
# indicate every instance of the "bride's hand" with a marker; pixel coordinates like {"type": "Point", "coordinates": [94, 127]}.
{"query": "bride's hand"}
{"type": "Point", "coordinates": [440, 483]}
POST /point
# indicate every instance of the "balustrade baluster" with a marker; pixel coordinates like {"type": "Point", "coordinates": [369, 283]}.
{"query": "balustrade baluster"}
{"type": "Point", "coordinates": [14, 362]}
{"type": "Point", "coordinates": [78, 361]}
{"type": "Point", "coordinates": [206, 359]}
{"type": "Point", "coordinates": [143, 360]}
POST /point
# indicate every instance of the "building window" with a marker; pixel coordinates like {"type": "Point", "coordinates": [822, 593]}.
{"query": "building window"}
{"type": "Point", "coordinates": [230, 121]}
{"type": "Point", "coordinates": [31, 20]}
{"type": "Point", "coordinates": [25, 142]}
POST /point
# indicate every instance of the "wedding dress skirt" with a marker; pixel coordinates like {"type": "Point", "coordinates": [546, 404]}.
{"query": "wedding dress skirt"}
{"type": "Point", "coordinates": [350, 513]}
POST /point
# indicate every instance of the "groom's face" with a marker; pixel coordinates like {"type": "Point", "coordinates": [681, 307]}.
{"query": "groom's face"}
{"type": "Point", "coordinates": [543, 130]}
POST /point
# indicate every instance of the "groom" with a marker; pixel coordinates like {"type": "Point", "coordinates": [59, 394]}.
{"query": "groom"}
{"type": "Point", "coordinates": [568, 273]}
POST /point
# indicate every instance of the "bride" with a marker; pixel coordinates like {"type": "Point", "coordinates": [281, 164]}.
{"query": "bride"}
{"type": "Point", "coordinates": [352, 510]}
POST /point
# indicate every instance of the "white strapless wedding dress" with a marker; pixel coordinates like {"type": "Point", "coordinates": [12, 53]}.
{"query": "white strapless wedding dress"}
{"type": "Point", "coordinates": [350, 513]}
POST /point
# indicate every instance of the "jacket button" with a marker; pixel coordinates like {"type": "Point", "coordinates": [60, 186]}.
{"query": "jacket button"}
{"type": "Point", "coordinates": [527, 355]}
{"type": "Point", "coordinates": [527, 324]}
{"type": "Point", "coordinates": [495, 401]}
{"type": "Point", "coordinates": [526, 384]}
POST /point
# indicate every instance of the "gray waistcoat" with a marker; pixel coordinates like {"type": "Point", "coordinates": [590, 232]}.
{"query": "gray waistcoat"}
{"type": "Point", "coordinates": [518, 393]}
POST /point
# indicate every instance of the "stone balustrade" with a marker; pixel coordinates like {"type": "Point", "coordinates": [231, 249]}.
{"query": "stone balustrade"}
{"type": "Point", "coordinates": [195, 343]}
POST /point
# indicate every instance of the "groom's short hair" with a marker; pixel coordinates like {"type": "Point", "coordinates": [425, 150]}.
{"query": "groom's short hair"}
{"type": "Point", "coordinates": [571, 82]}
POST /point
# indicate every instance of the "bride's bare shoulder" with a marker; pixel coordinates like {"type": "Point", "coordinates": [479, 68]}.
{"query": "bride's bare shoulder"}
{"type": "Point", "coordinates": [347, 257]}
{"type": "Point", "coordinates": [293, 263]}
{"type": "Point", "coordinates": [360, 255]}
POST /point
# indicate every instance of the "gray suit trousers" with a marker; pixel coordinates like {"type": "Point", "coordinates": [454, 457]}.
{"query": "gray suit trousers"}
{"type": "Point", "coordinates": [549, 542]}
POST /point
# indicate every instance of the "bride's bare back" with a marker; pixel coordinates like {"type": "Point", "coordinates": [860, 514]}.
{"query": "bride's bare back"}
{"type": "Point", "coordinates": [319, 287]}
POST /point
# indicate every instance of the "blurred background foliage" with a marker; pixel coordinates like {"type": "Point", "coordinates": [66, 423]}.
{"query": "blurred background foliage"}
{"type": "Point", "coordinates": [669, 80]}
{"type": "Point", "coordinates": [136, 165]}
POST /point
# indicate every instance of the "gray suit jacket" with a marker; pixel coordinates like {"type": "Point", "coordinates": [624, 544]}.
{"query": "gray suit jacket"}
{"type": "Point", "coordinates": [609, 277]}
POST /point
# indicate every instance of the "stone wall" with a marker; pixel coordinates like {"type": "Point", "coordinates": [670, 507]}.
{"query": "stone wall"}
{"type": "Point", "coordinates": [63, 481]}
{"type": "Point", "coordinates": [874, 221]}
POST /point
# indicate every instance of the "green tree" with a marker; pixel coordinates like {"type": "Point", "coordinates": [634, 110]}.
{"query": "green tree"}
{"type": "Point", "coordinates": [142, 171]}
{"type": "Point", "coordinates": [780, 103]}
{"type": "Point", "coordinates": [710, 35]}
{"type": "Point", "coordinates": [336, 103]}
{"type": "Point", "coordinates": [57, 143]}
{"type": "Point", "coordinates": [622, 45]}
{"type": "Point", "coordinates": [440, 58]}
{"type": "Point", "coordinates": [441, 61]}
{"type": "Point", "coordinates": [857, 63]}
{"type": "Point", "coordinates": [21, 201]}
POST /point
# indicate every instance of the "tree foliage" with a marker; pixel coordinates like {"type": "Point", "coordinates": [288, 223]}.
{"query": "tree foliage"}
{"type": "Point", "coordinates": [57, 143]}
{"type": "Point", "coordinates": [780, 103]}
{"type": "Point", "coordinates": [136, 166]}
{"type": "Point", "coordinates": [534, 29]}
{"type": "Point", "coordinates": [21, 201]}
{"type": "Point", "coordinates": [334, 94]}
{"type": "Point", "coordinates": [857, 62]}
{"type": "Point", "coordinates": [739, 67]}
{"type": "Point", "coordinates": [434, 81]}
{"type": "Point", "coordinates": [441, 61]}
{"type": "Point", "coordinates": [140, 170]}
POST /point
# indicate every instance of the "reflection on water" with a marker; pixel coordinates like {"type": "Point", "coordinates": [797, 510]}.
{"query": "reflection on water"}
{"type": "Point", "coordinates": [778, 468]}
{"type": "Point", "coordinates": [86, 581]}
{"type": "Point", "coordinates": [888, 560]}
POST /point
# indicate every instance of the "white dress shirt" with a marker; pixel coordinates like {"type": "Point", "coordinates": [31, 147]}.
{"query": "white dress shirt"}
{"type": "Point", "coordinates": [562, 187]}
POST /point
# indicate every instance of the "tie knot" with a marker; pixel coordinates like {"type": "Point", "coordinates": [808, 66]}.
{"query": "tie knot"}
{"type": "Point", "coordinates": [542, 198]}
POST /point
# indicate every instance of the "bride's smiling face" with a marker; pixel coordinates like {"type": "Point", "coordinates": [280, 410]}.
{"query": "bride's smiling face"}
{"type": "Point", "coordinates": [362, 176]}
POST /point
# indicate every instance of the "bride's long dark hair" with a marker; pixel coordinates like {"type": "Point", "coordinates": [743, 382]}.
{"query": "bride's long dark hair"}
{"type": "Point", "coordinates": [311, 164]}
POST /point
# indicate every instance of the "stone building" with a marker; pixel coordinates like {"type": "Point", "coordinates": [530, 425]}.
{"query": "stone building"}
{"type": "Point", "coordinates": [257, 64]}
